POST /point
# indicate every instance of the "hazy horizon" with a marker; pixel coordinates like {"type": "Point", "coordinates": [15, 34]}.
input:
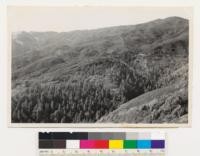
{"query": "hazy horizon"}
{"type": "Point", "coordinates": [67, 19]}
{"type": "Point", "coordinates": [32, 31]}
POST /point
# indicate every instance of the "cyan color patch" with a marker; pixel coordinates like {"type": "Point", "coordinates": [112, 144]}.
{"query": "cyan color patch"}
{"type": "Point", "coordinates": [144, 144]}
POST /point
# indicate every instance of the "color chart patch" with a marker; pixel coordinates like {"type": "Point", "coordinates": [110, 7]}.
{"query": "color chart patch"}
{"type": "Point", "coordinates": [99, 143]}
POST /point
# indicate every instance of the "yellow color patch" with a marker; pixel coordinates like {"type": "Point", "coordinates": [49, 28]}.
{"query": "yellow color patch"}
{"type": "Point", "coordinates": [116, 144]}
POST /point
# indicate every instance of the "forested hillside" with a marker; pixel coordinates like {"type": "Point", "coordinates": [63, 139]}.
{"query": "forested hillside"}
{"type": "Point", "coordinates": [133, 74]}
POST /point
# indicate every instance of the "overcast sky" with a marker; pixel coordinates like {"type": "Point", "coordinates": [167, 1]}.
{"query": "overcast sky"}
{"type": "Point", "coordinates": [78, 18]}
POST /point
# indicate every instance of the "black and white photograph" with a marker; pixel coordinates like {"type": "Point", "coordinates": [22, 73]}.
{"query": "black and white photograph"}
{"type": "Point", "coordinates": [99, 66]}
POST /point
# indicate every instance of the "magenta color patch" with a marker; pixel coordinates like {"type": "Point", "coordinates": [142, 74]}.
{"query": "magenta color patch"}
{"type": "Point", "coordinates": [87, 144]}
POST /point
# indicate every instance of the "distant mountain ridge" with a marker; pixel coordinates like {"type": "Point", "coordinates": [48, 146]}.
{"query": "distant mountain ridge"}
{"type": "Point", "coordinates": [75, 37]}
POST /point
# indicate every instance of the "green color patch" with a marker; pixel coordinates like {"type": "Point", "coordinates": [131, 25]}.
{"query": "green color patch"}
{"type": "Point", "coordinates": [130, 144]}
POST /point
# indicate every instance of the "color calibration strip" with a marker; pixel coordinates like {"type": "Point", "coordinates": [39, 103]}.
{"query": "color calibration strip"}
{"type": "Point", "coordinates": [96, 143]}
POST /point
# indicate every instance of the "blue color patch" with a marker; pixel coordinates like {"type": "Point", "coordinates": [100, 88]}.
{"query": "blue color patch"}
{"type": "Point", "coordinates": [144, 144]}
